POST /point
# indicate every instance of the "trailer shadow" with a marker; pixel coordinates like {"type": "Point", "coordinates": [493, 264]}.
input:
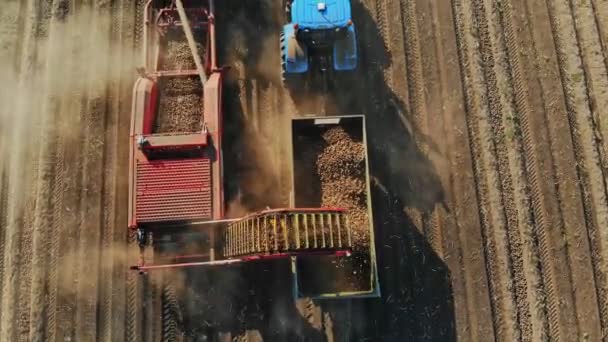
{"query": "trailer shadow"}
{"type": "Point", "coordinates": [417, 299]}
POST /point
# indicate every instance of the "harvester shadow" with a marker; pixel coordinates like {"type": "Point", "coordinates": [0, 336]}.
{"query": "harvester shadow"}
{"type": "Point", "coordinates": [417, 298]}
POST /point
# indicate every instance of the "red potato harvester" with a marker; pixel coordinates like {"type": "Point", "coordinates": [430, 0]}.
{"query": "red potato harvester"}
{"type": "Point", "coordinates": [176, 194]}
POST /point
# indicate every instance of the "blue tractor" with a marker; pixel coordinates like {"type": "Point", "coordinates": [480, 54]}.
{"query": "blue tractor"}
{"type": "Point", "coordinates": [318, 39]}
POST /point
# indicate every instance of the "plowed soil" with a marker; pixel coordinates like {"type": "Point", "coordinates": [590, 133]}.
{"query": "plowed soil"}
{"type": "Point", "coordinates": [486, 124]}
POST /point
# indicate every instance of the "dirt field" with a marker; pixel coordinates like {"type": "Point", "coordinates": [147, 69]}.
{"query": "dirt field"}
{"type": "Point", "coordinates": [486, 124]}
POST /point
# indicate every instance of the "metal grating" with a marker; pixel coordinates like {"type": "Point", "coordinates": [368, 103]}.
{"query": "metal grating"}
{"type": "Point", "coordinates": [173, 190]}
{"type": "Point", "coordinates": [288, 231]}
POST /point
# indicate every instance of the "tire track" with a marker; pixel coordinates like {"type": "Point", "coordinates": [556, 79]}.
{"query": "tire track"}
{"type": "Point", "coordinates": [600, 12]}
{"type": "Point", "coordinates": [492, 211]}
{"type": "Point", "coordinates": [380, 107]}
{"type": "Point", "coordinates": [396, 72]}
{"type": "Point", "coordinates": [413, 63]}
{"type": "Point", "coordinates": [135, 286]}
{"type": "Point", "coordinates": [93, 182]}
{"type": "Point", "coordinates": [126, 17]}
{"type": "Point", "coordinates": [3, 226]}
{"type": "Point", "coordinates": [506, 127]}
{"type": "Point", "coordinates": [57, 230]}
{"type": "Point", "coordinates": [156, 324]}
{"type": "Point", "coordinates": [432, 88]}
{"type": "Point", "coordinates": [411, 20]}
{"type": "Point", "coordinates": [9, 34]}
{"type": "Point", "coordinates": [575, 242]}
{"type": "Point", "coordinates": [463, 234]}
{"type": "Point", "coordinates": [590, 43]}
{"type": "Point", "coordinates": [558, 292]}
{"type": "Point", "coordinates": [68, 274]}
{"type": "Point", "coordinates": [580, 117]}
{"type": "Point", "coordinates": [11, 29]}
{"type": "Point", "coordinates": [379, 12]}
{"type": "Point", "coordinates": [133, 303]}
{"type": "Point", "coordinates": [46, 177]}
{"type": "Point", "coordinates": [22, 176]}
{"type": "Point", "coordinates": [109, 253]}
{"type": "Point", "coordinates": [170, 313]}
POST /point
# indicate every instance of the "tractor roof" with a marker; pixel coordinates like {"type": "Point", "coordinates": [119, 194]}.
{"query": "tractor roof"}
{"type": "Point", "coordinates": [320, 14]}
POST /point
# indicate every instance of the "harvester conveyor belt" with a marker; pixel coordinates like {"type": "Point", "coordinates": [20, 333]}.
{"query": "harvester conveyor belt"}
{"type": "Point", "coordinates": [285, 231]}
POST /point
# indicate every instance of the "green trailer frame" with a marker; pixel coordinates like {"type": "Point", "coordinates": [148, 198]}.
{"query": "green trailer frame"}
{"type": "Point", "coordinates": [372, 289]}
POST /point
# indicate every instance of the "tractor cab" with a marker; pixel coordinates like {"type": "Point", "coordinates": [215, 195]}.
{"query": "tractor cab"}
{"type": "Point", "coordinates": [318, 36]}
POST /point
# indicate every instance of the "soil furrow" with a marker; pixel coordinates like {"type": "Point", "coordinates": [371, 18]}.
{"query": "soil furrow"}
{"type": "Point", "coordinates": [155, 322]}
{"type": "Point", "coordinates": [551, 96]}
{"type": "Point", "coordinates": [9, 39]}
{"type": "Point", "coordinates": [109, 250]}
{"type": "Point", "coordinates": [169, 313]}
{"type": "Point", "coordinates": [68, 274]}
{"type": "Point", "coordinates": [57, 231]}
{"type": "Point", "coordinates": [134, 312]}
{"type": "Point", "coordinates": [580, 117]}
{"type": "Point", "coordinates": [120, 232]}
{"type": "Point", "coordinates": [414, 65]}
{"type": "Point", "coordinates": [507, 130]}
{"type": "Point", "coordinates": [23, 169]}
{"type": "Point", "coordinates": [396, 78]}
{"type": "Point", "coordinates": [595, 72]}
{"type": "Point", "coordinates": [463, 238]}
{"type": "Point", "coordinates": [487, 178]}
{"type": "Point", "coordinates": [417, 104]}
{"type": "Point", "coordinates": [379, 12]}
{"type": "Point", "coordinates": [133, 302]}
{"type": "Point", "coordinates": [25, 264]}
{"type": "Point", "coordinates": [431, 88]}
{"type": "Point", "coordinates": [600, 12]}
{"type": "Point", "coordinates": [46, 194]}
{"type": "Point", "coordinates": [431, 132]}
{"type": "Point", "coordinates": [531, 127]}
{"type": "Point", "coordinates": [93, 182]}
{"type": "Point", "coordinates": [3, 226]}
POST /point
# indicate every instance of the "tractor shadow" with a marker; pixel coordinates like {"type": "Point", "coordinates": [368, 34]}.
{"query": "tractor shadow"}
{"type": "Point", "coordinates": [417, 297]}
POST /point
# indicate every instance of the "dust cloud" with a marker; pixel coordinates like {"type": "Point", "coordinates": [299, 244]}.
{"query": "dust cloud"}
{"type": "Point", "coordinates": [56, 68]}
